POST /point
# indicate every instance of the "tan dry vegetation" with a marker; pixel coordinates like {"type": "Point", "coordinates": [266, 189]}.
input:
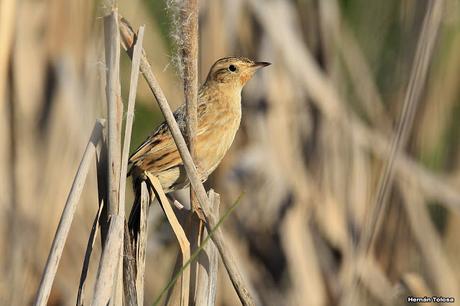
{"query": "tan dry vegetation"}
{"type": "Point", "coordinates": [315, 138]}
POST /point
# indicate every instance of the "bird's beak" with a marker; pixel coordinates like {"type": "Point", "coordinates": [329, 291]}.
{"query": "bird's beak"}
{"type": "Point", "coordinates": [258, 65]}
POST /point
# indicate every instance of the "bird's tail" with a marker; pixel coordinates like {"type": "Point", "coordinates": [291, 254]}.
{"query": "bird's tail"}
{"type": "Point", "coordinates": [135, 214]}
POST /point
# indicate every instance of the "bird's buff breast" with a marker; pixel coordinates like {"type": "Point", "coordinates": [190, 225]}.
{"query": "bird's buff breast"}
{"type": "Point", "coordinates": [216, 131]}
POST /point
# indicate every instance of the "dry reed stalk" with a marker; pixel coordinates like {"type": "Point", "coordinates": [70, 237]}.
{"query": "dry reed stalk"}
{"type": "Point", "coordinates": [101, 166]}
{"type": "Point", "coordinates": [107, 273]}
{"type": "Point", "coordinates": [66, 218]}
{"type": "Point", "coordinates": [86, 260]}
{"type": "Point", "coordinates": [110, 266]}
{"type": "Point", "coordinates": [142, 244]}
{"type": "Point", "coordinates": [189, 57]}
{"type": "Point", "coordinates": [130, 111]}
{"type": "Point", "coordinates": [237, 279]}
{"type": "Point", "coordinates": [114, 110]}
{"type": "Point", "coordinates": [139, 288]}
{"type": "Point", "coordinates": [134, 254]}
{"type": "Point", "coordinates": [209, 261]}
{"type": "Point", "coordinates": [129, 264]}
{"type": "Point", "coordinates": [194, 229]}
{"type": "Point", "coordinates": [189, 23]}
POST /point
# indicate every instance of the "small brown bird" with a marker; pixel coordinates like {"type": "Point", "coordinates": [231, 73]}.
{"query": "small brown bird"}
{"type": "Point", "coordinates": [219, 116]}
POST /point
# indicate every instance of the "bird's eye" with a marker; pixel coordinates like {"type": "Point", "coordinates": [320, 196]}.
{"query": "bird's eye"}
{"type": "Point", "coordinates": [232, 68]}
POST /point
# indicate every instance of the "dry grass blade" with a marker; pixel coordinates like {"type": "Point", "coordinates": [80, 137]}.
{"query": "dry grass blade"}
{"type": "Point", "coordinates": [66, 218]}
{"type": "Point", "coordinates": [180, 235]}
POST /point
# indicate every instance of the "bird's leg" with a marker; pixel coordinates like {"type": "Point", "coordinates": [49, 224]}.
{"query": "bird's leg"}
{"type": "Point", "coordinates": [178, 230]}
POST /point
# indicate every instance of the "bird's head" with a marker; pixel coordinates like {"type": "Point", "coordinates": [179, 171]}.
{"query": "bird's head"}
{"type": "Point", "coordinates": [233, 71]}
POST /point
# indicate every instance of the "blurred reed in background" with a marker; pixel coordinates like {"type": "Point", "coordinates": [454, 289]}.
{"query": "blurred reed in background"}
{"type": "Point", "coordinates": [316, 133]}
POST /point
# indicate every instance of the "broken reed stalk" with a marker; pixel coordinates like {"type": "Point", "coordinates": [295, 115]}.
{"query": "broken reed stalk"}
{"type": "Point", "coordinates": [109, 279]}
{"type": "Point", "coordinates": [240, 285]}
{"type": "Point", "coordinates": [65, 222]}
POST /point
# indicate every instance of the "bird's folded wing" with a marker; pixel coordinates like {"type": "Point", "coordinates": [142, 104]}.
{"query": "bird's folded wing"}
{"type": "Point", "coordinates": [158, 153]}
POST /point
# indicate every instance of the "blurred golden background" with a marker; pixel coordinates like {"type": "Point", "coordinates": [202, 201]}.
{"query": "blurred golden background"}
{"type": "Point", "coordinates": [313, 146]}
